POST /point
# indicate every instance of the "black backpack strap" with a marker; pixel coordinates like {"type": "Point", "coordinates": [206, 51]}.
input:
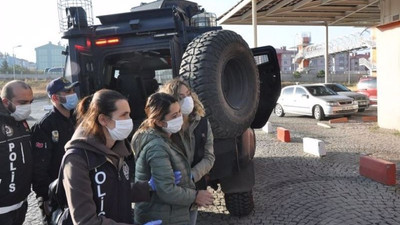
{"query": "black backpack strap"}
{"type": "Point", "coordinates": [56, 188]}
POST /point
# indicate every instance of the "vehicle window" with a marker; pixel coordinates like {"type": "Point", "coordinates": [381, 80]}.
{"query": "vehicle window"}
{"type": "Point", "coordinates": [367, 84]}
{"type": "Point", "coordinates": [299, 92]}
{"type": "Point", "coordinates": [287, 91]}
{"type": "Point", "coordinates": [162, 76]}
{"type": "Point", "coordinates": [320, 91]}
{"type": "Point", "coordinates": [337, 87]}
{"type": "Point", "coordinates": [260, 59]}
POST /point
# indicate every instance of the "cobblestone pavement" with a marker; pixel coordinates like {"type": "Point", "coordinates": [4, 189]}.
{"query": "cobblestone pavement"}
{"type": "Point", "coordinates": [293, 187]}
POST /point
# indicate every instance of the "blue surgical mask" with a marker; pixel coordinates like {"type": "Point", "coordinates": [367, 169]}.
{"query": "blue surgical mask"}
{"type": "Point", "coordinates": [70, 101]}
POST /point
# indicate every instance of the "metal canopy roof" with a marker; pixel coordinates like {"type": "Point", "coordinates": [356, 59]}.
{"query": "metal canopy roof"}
{"type": "Point", "coordinates": [362, 13]}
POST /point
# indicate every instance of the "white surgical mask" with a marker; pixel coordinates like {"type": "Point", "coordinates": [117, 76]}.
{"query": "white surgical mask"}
{"type": "Point", "coordinates": [187, 105]}
{"type": "Point", "coordinates": [174, 125]}
{"type": "Point", "coordinates": [71, 101]}
{"type": "Point", "coordinates": [22, 112]}
{"type": "Point", "coordinates": [121, 130]}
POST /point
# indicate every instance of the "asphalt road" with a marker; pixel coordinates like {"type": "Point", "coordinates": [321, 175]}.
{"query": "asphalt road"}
{"type": "Point", "coordinates": [293, 187]}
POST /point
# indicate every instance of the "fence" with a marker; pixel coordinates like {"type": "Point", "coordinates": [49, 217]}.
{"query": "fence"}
{"type": "Point", "coordinates": [312, 78]}
{"type": "Point", "coordinates": [305, 78]}
{"type": "Point", "coordinates": [29, 76]}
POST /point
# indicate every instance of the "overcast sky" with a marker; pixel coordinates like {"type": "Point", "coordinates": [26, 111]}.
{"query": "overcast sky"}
{"type": "Point", "coordinates": [32, 24]}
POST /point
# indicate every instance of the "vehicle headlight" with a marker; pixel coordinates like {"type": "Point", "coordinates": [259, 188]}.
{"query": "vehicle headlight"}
{"type": "Point", "coordinates": [332, 103]}
{"type": "Point", "coordinates": [355, 102]}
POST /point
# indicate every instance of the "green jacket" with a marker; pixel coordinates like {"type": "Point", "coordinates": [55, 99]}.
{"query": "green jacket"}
{"type": "Point", "coordinates": [157, 156]}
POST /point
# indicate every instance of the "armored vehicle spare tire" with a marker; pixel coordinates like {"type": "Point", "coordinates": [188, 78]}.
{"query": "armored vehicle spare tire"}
{"type": "Point", "coordinates": [220, 68]}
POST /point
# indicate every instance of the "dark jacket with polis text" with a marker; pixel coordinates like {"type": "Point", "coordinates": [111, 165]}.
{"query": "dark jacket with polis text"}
{"type": "Point", "coordinates": [15, 159]}
{"type": "Point", "coordinates": [100, 189]}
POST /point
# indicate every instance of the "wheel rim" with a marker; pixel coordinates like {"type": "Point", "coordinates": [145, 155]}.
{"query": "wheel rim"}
{"type": "Point", "coordinates": [317, 112]}
{"type": "Point", "coordinates": [278, 110]}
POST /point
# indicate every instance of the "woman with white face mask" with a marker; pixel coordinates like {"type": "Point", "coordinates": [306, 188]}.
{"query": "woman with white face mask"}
{"type": "Point", "coordinates": [98, 164]}
{"type": "Point", "coordinates": [158, 156]}
{"type": "Point", "coordinates": [196, 133]}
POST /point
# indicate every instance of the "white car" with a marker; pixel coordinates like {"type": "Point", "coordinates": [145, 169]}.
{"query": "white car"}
{"type": "Point", "coordinates": [314, 100]}
{"type": "Point", "coordinates": [363, 101]}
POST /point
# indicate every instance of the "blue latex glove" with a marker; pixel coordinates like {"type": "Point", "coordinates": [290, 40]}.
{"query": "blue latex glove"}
{"type": "Point", "coordinates": [178, 177]}
{"type": "Point", "coordinates": [155, 222]}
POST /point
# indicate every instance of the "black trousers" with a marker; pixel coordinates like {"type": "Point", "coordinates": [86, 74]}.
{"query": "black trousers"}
{"type": "Point", "coordinates": [16, 217]}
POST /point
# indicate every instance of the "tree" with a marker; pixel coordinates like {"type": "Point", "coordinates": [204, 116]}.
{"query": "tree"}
{"type": "Point", "coordinates": [4, 67]}
{"type": "Point", "coordinates": [321, 74]}
{"type": "Point", "coordinates": [296, 74]}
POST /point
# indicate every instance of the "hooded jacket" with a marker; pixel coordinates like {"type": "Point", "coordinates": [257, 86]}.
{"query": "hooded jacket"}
{"type": "Point", "coordinates": [157, 156]}
{"type": "Point", "coordinates": [100, 188]}
{"type": "Point", "coordinates": [15, 159]}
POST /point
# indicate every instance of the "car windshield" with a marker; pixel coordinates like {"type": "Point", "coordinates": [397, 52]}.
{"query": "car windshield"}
{"type": "Point", "coordinates": [338, 87]}
{"type": "Point", "coordinates": [367, 84]}
{"type": "Point", "coordinates": [320, 91]}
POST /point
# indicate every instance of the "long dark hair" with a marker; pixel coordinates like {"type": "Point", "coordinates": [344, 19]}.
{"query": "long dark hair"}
{"type": "Point", "coordinates": [82, 108]}
{"type": "Point", "coordinates": [103, 102]}
{"type": "Point", "coordinates": [157, 106]}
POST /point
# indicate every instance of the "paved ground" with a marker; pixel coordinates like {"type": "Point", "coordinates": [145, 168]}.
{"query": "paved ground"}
{"type": "Point", "coordinates": [296, 188]}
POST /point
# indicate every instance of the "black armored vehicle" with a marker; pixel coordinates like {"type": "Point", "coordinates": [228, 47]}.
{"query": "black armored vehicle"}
{"type": "Point", "coordinates": [136, 51]}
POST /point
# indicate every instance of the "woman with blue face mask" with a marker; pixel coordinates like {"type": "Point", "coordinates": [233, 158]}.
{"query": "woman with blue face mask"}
{"type": "Point", "coordinates": [158, 156]}
{"type": "Point", "coordinates": [97, 168]}
{"type": "Point", "coordinates": [196, 134]}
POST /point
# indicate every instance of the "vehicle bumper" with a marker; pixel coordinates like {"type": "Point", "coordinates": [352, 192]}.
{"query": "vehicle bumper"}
{"type": "Point", "coordinates": [373, 100]}
{"type": "Point", "coordinates": [363, 104]}
{"type": "Point", "coordinates": [340, 110]}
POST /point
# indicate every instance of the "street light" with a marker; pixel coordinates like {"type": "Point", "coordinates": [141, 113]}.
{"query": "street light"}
{"type": "Point", "coordinates": [14, 58]}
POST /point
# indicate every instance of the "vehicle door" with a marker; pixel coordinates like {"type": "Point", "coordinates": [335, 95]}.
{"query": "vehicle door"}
{"type": "Point", "coordinates": [301, 101]}
{"type": "Point", "coordinates": [287, 99]}
{"type": "Point", "coordinates": [80, 66]}
{"type": "Point", "coordinates": [270, 83]}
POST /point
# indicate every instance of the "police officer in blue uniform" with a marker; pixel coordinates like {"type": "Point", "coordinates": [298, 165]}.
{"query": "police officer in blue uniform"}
{"type": "Point", "coordinates": [49, 136]}
{"type": "Point", "coordinates": [15, 152]}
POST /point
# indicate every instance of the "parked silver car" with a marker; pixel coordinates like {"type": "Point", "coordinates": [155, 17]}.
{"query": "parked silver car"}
{"type": "Point", "coordinates": [314, 100]}
{"type": "Point", "coordinates": [363, 101]}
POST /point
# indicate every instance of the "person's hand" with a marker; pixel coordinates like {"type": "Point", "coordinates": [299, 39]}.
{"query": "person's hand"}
{"type": "Point", "coordinates": [178, 177]}
{"type": "Point", "coordinates": [204, 198]}
{"type": "Point", "coordinates": [47, 208]}
{"type": "Point", "coordinates": [155, 222]}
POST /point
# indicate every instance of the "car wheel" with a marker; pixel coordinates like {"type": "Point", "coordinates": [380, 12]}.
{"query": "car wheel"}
{"type": "Point", "coordinates": [318, 113]}
{"type": "Point", "coordinates": [279, 110]}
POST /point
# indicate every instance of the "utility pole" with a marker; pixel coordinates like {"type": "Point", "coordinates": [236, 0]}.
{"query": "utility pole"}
{"type": "Point", "coordinates": [17, 46]}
